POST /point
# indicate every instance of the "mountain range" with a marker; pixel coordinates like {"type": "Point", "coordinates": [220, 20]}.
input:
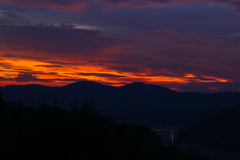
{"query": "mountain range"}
{"type": "Point", "coordinates": [144, 104]}
{"type": "Point", "coordinates": [134, 94]}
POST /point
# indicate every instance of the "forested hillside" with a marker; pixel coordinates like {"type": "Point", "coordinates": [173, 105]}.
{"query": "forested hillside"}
{"type": "Point", "coordinates": [220, 131]}
{"type": "Point", "coordinates": [46, 132]}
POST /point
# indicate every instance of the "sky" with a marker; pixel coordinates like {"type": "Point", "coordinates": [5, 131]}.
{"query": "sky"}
{"type": "Point", "coordinates": [185, 45]}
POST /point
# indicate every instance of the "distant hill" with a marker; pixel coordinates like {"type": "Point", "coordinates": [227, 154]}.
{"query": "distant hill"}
{"type": "Point", "coordinates": [218, 132]}
{"type": "Point", "coordinates": [131, 94]}
{"type": "Point", "coordinates": [161, 117]}
{"type": "Point", "coordinates": [134, 94]}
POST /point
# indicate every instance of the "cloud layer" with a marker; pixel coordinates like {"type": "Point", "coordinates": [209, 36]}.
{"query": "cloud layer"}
{"type": "Point", "coordinates": [81, 5]}
{"type": "Point", "coordinates": [184, 45]}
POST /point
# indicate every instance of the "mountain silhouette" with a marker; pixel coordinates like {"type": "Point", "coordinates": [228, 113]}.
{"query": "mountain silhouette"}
{"type": "Point", "coordinates": [138, 87]}
{"type": "Point", "coordinates": [134, 94]}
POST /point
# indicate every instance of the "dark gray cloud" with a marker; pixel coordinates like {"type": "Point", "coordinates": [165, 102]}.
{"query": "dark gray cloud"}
{"type": "Point", "coordinates": [54, 39]}
{"type": "Point", "coordinates": [6, 79]}
{"type": "Point", "coordinates": [11, 16]}
{"type": "Point", "coordinates": [8, 55]}
{"type": "Point", "coordinates": [132, 69]}
{"type": "Point", "coordinates": [49, 66]}
{"type": "Point", "coordinates": [29, 77]}
{"type": "Point", "coordinates": [74, 5]}
{"type": "Point", "coordinates": [100, 75]}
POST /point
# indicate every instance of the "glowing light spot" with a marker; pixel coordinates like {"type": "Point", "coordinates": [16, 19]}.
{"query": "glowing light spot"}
{"type": "Point", "coordinates": [176, 89]}
{"type": "Point", "coordinates": [188, 75]}
{"type": "Point", "coordinates": [87, 27]}
{"type": "Point", "coordinates": [214, 88]}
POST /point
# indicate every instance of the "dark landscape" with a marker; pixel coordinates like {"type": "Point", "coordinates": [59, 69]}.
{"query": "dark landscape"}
{"type": "Point", "coordinates": [37, 121]}
{"type": "Point", "coordinates": [143, 104]}
{"type": "Point", "coordinates": [47, 132]}
{"type": "Point", "coordinates": [120, 79]}
{"type": "Point", "coordinates": [134, 94]}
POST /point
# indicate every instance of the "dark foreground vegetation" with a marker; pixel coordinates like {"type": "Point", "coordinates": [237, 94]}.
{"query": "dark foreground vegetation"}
{"type": "Point", "coordinates": [221, 132]}
{"type": "Point", "coordinates": [51, 133]}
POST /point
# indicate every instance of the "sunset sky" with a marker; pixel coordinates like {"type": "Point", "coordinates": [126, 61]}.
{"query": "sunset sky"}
{"type": "Point", "coordinates": [185, 45]}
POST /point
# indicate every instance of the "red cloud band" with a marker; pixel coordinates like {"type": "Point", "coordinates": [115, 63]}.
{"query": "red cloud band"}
{"type": "Point", "coordinates": [79, 5]}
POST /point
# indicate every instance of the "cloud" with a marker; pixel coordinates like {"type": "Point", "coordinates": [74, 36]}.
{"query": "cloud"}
{"type": "Point", "coordinates": [6, 79]}
{"type": "Point", "coordinates": [156, 44]}
{"type": "Point", "coordinates": [29, 77]}
{"type": "Point", "coordinates": [81, 5]}
{"type": "Point", "coordinates": [45, 38]}
{"type": "Point", "coordinates": [10, 17]}
{"type": "Point", "coordinates": [118, 67]}
{"type": "Point", "coordinates": [143, 3]}
{"type": "Point", "coordinates": [100, 75]}
{"type": "Point", "coordinates": [8, 55]}
{"type": "Point", "coordinates": [67, 25]}
{"type": "Point", "coordinates": [166, 31]}
{"type": "Point", "coordinates": [49, 66]}
{"type": "Point", "coordinates": [73, 5]}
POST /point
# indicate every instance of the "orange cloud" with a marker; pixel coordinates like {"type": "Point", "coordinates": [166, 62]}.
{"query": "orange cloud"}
{"type": "Point", "coordinates": [189, 75]}
{"type": "Point", "coordinates": [26, 71]}
{"type": "Point", "coordinates": [216, 79]}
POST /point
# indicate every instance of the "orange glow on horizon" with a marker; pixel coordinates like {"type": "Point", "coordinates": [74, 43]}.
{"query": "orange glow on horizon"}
{"type": "Point", "coordinates": [189, 75]}
{"type": "Point", "coordinates": [176, 89]}
{"type": "Point", "coordinates": [20, 71]}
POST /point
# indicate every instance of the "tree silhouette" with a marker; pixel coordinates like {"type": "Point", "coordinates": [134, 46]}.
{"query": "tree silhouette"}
{"type": "Point", "coordinates": [52, 133]}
